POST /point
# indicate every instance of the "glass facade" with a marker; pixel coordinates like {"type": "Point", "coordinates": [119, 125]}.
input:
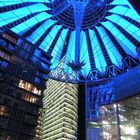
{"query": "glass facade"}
{"type": "Point", "coordinates": [118, 121]}
{"type": "Point", "coordinates": [121, 120]}
{"type": "Point", "coordinates": [20, 95]}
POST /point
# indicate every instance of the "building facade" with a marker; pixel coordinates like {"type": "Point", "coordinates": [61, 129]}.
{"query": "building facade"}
{"type": "Point", "coordinates": [58, 120]}
{"type": "Point", "coordinates": [113, 107]}
{"type": "Point", "coordinates": [23, 74]}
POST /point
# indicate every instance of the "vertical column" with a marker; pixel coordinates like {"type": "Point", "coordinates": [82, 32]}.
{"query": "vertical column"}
{"type": "Point", "coordinates": [79, 10]}
{"type": "Point", "coordinates": [81, 113]}
{"type": "Point", "coordinates": [118, 122]}
{"type": "Point", "coordinates": [86, 108]}
{"type": "Point", "coordinates": [77, 45]}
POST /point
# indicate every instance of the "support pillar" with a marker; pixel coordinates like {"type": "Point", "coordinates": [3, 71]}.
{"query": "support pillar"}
{"type": "Point", "coordinates": [118, 122]}
{"type": "Point", "coordinates": [81, 113]}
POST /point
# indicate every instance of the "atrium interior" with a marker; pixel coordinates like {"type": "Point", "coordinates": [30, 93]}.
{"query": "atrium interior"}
{"type": "Point", "coordinates": [69, 70]}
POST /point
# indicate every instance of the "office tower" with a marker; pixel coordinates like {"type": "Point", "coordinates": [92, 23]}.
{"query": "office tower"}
{"type": "Point", "coordinates": [22, 80]}
{"type": "Point", "coordinates": [59, 115]}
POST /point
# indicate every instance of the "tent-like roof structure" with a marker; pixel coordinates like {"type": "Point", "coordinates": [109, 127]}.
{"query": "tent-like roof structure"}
{"type": "Point", "coordinates": [109, 34]}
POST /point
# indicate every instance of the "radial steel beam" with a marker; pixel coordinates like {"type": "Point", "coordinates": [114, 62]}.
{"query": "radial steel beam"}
{"type": "Point", "coordinates": [79, 10]}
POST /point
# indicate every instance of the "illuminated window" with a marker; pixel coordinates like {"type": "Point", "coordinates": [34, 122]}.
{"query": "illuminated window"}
{"type": "Point", "coordinates": [30, 98]}
{"type": "Point", "coordinates": [33, 99]}
{"type": "Point", "coordinates": [29, 87]}
{"type": "Point", "coordinates": [3, 111]}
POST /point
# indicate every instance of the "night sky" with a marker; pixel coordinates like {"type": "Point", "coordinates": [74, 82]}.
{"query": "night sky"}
{"type": "Point", "coordinates": [136, 4]}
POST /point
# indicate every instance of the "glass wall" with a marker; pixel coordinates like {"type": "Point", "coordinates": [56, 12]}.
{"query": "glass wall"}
{"type": "Point", "coordinates": [119, 121]}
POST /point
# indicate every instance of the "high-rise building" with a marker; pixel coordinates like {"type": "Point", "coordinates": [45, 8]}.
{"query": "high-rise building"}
{"type": "Point", "coordinates": [22, 80]}
{"type": "Point", "coordinates": [59, 115]}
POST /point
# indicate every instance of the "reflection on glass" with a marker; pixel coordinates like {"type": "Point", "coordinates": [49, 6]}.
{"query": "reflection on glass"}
{"type": "Point", "coordinates": [128, 122]}
{"type": "Point", "coordinates": [117, 121]}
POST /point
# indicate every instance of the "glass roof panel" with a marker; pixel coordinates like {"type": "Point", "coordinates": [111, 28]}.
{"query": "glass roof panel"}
{"type": "Point", "coordinates": [40, 31]}
{"type": "Point", "coordinates": [111, 49]}
{"type": "Point", "coordinates": [98, 55]}
{"type": "Point", "coordinates": [58, 48]}
{"type": "Point", "coordinates": [105, 31]}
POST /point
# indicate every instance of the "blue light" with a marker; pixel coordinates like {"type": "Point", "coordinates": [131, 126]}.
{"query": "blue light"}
{"type": "Point", "coordinates": [70, 55]}
{"type": "Point", "coordinates": [39, 22]}
{"type": "Point", "coordinates": [71, 47]}
{"type": "Point", "coordinates": [125, 4]}
{"type": "Point", "coordinates": [49, 38]}
{"type": "Point", "coordinates": [13, 15]}
{"type": "Point", "coordinates": [25, 26]}
{"type": "Point", "coordinates": [133, 30]}
{"type": "Point", "coordinates": [84, 55]}
{"type": "Point", "coordinates": [119, 2]}
{"type": "Point", "coordinates": [40, 30]}
{"type": "Point", "coordinates": [58, 49]}
{"type": "Point", "coordinates": [123, 41]}
{"type": "Point", "coordinates": [10, 2]}
{"type": "Point", "coordinates": [121, 10]}
{"type": "Point", "coordinates": [97, 52]}
{"type": "Point", "coordinates": [111, 49]}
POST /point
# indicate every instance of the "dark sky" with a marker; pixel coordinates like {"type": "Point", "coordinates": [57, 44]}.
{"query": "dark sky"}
{"type": "Point", "coordinates": [136, 4]}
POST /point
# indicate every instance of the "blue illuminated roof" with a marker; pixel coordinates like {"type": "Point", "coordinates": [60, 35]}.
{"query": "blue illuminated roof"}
{"type": "Point", "coordinates": [110, 31]}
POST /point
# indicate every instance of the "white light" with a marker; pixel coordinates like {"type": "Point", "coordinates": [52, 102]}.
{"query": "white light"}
{"type": "Point", "coordinates": [130, 130]}
{"type": "Point", "coordinates": [124, 138]}
{"type": "Point", "coordinates": [104, 122]}
{"type": "Point", "coordinates": [106, 135]}
{"type": "Point", "coordinates": [115, 106]}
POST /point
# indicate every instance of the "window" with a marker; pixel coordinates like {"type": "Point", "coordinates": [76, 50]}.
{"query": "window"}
{"type": "Point", "coordinates": [45, 66]}
{"type": "Point", "coordinates": [30, 98]}
{"type": "Point", "coordinates": [10, 38]}
{"type": "Point", "coordinates": [37, 80]}
{"type": "Point", "coordinates": [29, 87]}
{"type": "Point", "coordinates": [4, 55]}
{"type": "Point", "coordinates": [17, 60]}
{"type": "Point", "coordinates": [23, 54]}
{"type": "Point", "coordinates": [3, 64]}
{"type": "Point", "coordinates": [10, 47]}
{"type": "Point", "coordinates": [2, 42]}
{"type": "Point", "coordinates": [3, 111]}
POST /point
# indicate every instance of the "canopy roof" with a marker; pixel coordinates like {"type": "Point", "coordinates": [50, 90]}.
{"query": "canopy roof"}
{"type": "Point", "coordinates": [110, 31]}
